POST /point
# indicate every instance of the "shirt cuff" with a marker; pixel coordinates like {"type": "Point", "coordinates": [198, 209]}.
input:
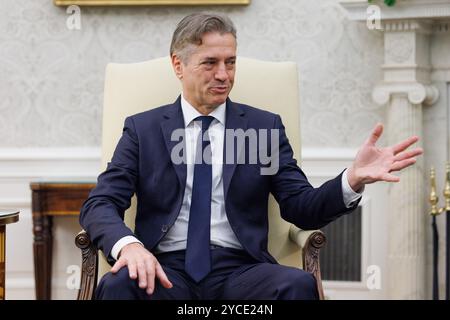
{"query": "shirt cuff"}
{"type": "Point", "coordinates": [350, 196]}
{"type": "Point", "coordinates": [122, 243]}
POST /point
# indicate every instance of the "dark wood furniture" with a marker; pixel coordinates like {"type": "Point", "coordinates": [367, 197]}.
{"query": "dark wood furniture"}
{"type": "Point", "coordinates": [6, 217]}
{"type": "Point", "coordinates": [310, 258]}
{"type": "Point", "coordinates": [51, 199]}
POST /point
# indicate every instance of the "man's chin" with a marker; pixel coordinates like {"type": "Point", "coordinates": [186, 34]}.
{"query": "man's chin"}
{"type": "Point", "coordinates": [219, 100]}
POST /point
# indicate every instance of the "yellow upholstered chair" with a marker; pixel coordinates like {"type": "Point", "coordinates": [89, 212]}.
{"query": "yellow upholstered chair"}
{"type": "Point", "coordinates": [136, 87]}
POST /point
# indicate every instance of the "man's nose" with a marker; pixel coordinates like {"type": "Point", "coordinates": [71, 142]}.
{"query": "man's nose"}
{"type": "Point", "coordinates": [221, 72]}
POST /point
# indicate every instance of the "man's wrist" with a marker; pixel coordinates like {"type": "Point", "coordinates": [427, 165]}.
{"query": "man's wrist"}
{"type": "Point", "coordinates": [129, 245]}
{"type": "Point", "coordinates": [356, 184]}
{"type": "Point", "coordinates": [119, 245]}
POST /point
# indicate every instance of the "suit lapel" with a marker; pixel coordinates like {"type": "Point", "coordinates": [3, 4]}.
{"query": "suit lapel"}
{"type": "Point", "coordinates": [173, 121]}
{"type": "Point", "coordinates": [234, 119]}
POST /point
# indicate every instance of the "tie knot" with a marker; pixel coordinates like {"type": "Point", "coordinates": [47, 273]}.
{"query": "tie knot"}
{"type": "Point", "coordinates": [206, 121]}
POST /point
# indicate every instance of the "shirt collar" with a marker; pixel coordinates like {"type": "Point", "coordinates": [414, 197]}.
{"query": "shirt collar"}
{"type": "Point", "coordinates": [190, 113]}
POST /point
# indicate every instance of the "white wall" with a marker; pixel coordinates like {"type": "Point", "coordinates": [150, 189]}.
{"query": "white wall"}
{"type": "Point", "coordinates": [52, 78]}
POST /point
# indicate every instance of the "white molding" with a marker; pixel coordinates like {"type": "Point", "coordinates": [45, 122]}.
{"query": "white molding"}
{"type": "Point", "coordinates": [30, 164]}
{"type": "Point", "coordinates": [406, 9]}
{"type": "Point", "coordinates": [321, 164]}
{"type": "Point", "coordinates": [23, 165]}
{"type": "Point", "coordinates": [43, 154]}
{"type": "Point", "coordinates": [94, 153]}
{"type": "Point", "coordinates": [328, 154]}
{"type": "Point", "coordinates": [15, 203]}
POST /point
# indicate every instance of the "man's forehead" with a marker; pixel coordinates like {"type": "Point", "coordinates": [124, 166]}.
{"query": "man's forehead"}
{"type": "Point", "coordinates": [218, 55]}
{"type": "Point", "coordinates": [213, 39]}
{"type": "Point", "coordinates": [216, 50]}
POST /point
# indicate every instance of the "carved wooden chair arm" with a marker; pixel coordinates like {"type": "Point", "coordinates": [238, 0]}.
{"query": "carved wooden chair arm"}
{"type": "Point", "coordinates": [310, 242]}
{"type": "Point", "coordinates": [89, 266]}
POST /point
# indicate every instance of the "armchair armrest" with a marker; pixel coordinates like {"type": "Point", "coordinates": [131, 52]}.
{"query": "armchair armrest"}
{"type": "Point", "coordinates": [89, 266]}
{"type": "Point", "coordinates": [310, 243]}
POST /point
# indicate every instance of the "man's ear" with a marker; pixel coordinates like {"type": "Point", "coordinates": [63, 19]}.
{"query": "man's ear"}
{"type": "Point", "coordinates": [177, 65]}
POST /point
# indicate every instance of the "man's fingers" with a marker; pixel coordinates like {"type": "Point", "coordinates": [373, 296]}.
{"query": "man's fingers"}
{"type": "Point", "coordinates": [405, 144]}
{"type": "Point", "coordinates": [390, 178]}
{"type": "Point", "coordinates": [118, 265]}
{"type": "Point", "coordinates": [142, 274]}
{"type": "Point", "coordinates": [375, 135]}
{"type": "Point", "coordinates": [150, 277]}
{"type": "Point", "coordinates": [132, 272]}
{"type": "Point", "coordinates": [399, 165]}
{"type": "Point", "coordinates": [408, 154]}
{"type": "Point", "coordinates": [163, 277]}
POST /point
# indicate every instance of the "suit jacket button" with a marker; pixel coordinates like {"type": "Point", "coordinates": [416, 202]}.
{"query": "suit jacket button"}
{"type": "Point", "coordinates": [164, 228]}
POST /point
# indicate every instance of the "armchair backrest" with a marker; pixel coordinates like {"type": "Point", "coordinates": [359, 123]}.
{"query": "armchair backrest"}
{"type": "Point", "coordinates": [136, 87]}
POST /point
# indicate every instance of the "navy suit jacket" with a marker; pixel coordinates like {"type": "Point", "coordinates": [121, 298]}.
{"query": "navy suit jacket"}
{"type": "Point", "coordinates": [142, 164]}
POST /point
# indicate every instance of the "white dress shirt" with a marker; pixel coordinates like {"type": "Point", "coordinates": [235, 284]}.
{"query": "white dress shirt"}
{"type": "Point", "coordinates": [221, 231]}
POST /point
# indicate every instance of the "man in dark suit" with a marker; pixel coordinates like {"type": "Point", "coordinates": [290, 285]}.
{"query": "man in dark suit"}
{"type": "Point", "coordinates": [202, 223]}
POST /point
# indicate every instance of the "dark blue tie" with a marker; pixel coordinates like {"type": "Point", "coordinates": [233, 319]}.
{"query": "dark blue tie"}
{"type": "Point", "coordinates": [198, 255]}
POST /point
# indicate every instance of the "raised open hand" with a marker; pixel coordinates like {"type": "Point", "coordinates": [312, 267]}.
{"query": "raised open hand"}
{"type": "Point", "coordinates": [374, 164]}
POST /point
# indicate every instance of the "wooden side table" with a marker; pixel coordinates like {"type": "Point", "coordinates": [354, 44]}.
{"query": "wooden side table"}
{"type": "Point", "coordinates": [6, 217]}
{"type": "Point", "coordinates": [50, 199]}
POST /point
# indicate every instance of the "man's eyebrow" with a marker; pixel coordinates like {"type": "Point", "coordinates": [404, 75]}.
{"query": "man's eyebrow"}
{"type": "Point", "coordinates": [213, 58]}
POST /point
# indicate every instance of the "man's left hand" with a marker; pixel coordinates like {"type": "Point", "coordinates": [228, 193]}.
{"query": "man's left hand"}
{"type": "Point", "coordinates": [374, 164]}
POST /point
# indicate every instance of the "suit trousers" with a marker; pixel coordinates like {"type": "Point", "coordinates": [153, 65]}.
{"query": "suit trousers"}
{"type": "Point", "coordinates": [235, 275]}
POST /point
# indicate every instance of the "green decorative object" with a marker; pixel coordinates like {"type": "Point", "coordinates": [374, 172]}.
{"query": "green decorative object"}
{"type": "Point", "coordinates": [389, 3]}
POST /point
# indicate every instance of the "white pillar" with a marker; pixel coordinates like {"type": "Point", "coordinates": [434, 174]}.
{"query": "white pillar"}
{"type": "Point", "coordinates": [405, 89]}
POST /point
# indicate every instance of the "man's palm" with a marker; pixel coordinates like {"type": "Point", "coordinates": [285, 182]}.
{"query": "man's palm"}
{"type": "Point", "coordinates": [374, 164]}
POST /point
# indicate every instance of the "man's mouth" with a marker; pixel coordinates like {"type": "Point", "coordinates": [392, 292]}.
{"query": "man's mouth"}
{"type": "Point", "coordinates": [219, 89]}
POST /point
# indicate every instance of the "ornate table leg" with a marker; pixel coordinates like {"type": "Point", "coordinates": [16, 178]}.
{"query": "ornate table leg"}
{"type": "Point", "coordinates": [42, 247]}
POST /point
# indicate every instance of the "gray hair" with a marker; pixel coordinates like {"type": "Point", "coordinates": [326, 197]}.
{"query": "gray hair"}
{"type": "Point", "coordinates": [191, 29]}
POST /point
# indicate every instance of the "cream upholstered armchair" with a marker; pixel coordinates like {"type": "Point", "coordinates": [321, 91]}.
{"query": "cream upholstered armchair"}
{"type": "Point", "coordinates": [136, 87]}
